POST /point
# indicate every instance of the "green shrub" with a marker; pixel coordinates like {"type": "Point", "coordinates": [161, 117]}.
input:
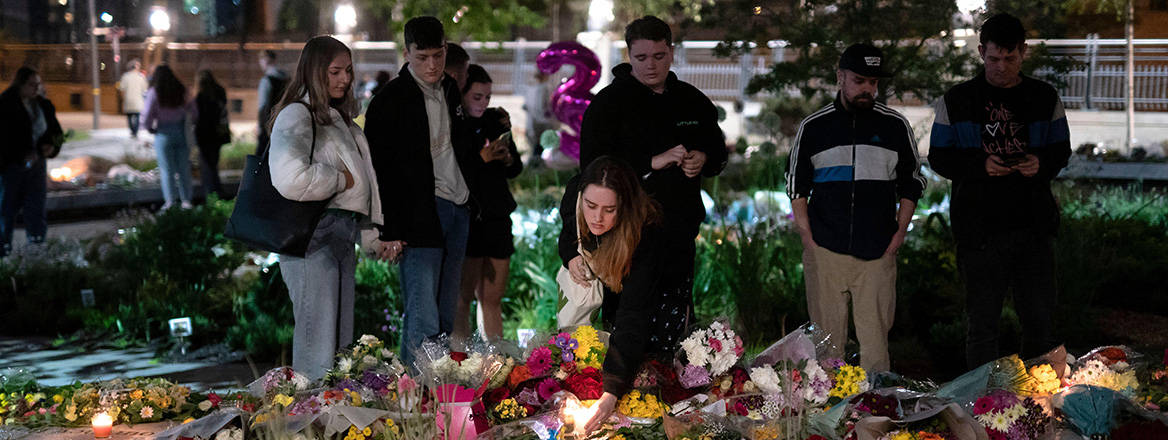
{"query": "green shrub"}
{"type": "Point", "coordinates": [263, 318]}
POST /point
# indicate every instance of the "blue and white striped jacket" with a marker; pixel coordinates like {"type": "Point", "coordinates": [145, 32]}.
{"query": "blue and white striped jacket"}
{"type": "Point", "coordinates": [854, 167]}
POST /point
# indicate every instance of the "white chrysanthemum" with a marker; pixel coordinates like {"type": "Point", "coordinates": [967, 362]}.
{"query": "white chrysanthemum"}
{"type": "Point", "coordinates": [368, 361]}
{"type": "Point", "coordinates": [722, 363]}
{"type": "Point", "coordinates": [999, 422]}
{"type": "Point", "coordinates": [300, 381]}
{"type": "Point", "coordinates": [766, 379]}
{"type": "Point", "coordinates": [344, 365]}
{"type": "Point", "coordinates": [1015, 412]}
{"type": "Point", "coordinates": [695, 348]}
{"type": "Point", "coordinates": [368, 340]}
{"type": "Point", "coordinates": [386, 353]}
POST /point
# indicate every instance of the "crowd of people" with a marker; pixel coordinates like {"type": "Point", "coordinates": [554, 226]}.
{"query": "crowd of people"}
{"type": "Point", "coordinates": [424, 184]}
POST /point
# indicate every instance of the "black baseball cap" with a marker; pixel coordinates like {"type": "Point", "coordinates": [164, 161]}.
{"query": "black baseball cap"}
{"type": "Point", "coordinates": [864, 59]}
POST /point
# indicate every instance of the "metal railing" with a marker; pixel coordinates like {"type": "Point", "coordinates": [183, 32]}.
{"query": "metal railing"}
{"type": "Point", "coordinates": [1097, 83]}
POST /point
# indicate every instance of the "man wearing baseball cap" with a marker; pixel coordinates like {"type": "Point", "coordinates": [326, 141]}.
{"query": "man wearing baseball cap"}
{"type": "Point", "coordinates": [854, 179]}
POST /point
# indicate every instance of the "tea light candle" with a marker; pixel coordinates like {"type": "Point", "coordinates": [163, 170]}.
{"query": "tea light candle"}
{"type": "Point", "coordinates": [103, 424]}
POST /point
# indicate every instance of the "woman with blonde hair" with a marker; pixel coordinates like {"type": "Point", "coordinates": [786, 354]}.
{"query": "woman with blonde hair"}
{"type": "Point", "coordinates": [318, 153]}
{"type": "Point", "coordinates": [623, 245]}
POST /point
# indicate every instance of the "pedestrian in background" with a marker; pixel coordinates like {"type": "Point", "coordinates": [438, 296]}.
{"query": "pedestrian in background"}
{"type": "Point", "coordinates": [167, 112]}
{"type": "Point", "coordinates": [271, 88]}
{"type": "Point", "coordinates": [31, 134]}
{"type": "Point", "coordinates": [133, 85]}
{"type": "Point", "coordinates": [212, 130]}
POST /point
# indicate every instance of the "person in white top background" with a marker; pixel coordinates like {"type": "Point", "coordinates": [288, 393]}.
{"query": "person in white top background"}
{"type": "Point", "coordinates": [133, 86]}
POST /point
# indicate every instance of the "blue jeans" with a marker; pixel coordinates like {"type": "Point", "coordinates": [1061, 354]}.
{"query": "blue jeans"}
{"type": "Point", "coordinates": [174, 156]}
{"type": "Point", "coordinates": [431, 278]}
{"type": "Point", "coordinates": [23, 187]}
{"type": "Point", "coordinates": [321, 285]}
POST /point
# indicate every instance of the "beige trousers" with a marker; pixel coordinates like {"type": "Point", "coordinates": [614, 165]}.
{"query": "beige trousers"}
{"type": "Point", "coordinates": [835, 280]}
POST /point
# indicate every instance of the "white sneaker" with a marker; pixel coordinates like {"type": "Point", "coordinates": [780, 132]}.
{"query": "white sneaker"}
{"type": "Point", "coordinates": [166, 206]}
{"type": "Point", "coordinates": [187, 205]}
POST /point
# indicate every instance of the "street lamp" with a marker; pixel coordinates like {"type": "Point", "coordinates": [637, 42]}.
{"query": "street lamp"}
{"type": "Point", "coordinates": [107, 18]}
{"type": "Point", "coordinates": [346, 18]}
{"type": "Point", "coordinates": [159, 19]}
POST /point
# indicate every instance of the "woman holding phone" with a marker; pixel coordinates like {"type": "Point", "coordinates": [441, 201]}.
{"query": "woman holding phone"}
{"type": "Point", "coordinates": [490, 243]}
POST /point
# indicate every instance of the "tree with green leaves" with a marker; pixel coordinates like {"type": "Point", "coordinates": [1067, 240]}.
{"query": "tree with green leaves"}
{"type": "Point", "coordinates": [479, 20]}
{"type": "Point", "coordinates": [915, 35]}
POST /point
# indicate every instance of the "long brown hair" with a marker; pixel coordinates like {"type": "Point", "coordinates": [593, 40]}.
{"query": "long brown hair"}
{"type": "Point", "coordinates": [170, 90]}
{"type": "Point", "coordinates": [311, 78]}
{"type": "Point", "coordinates": [613, 256]}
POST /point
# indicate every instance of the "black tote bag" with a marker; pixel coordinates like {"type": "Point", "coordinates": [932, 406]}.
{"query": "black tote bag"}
{"type": "Point", "coordinates": [264, 219]}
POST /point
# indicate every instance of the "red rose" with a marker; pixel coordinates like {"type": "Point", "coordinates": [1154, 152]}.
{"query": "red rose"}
{"type": "Point", "coordinates": [249, 407]}
{"type": "Point", "coordinates": [458, 356]}
{"type": "Point", "coordinates": [568, 367]}
{"type": "Point", "coordinates": [214, 398]}
{"type": "Point", "coordinates": [586, 384]}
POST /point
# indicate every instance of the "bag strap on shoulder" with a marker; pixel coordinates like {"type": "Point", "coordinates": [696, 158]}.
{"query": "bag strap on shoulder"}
{"type": "Point", "coordinates": [311, 151]}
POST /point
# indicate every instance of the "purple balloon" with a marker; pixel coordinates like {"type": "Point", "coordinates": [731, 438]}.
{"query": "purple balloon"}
{"type": "Point", "coordinates": [571, 98]}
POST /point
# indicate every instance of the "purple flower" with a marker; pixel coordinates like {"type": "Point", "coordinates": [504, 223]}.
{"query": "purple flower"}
{"type": "Point", "coordinates": [833, 363]}
{"type": "Point", "coordinates": [376, 382]}
{"type": "Point", "coordinates": [529, 396]}
{"type": "Point", "coordinates": [568, 355]}
{"type": "Point", "coordinates": [694, 376]}
{"type": "Point", "coordinates": [385, 328]}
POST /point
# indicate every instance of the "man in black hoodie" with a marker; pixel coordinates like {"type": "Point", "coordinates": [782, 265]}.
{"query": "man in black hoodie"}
{"type": "Point", "coordinates": [667, 130]}
{"type": "Point", "coordinates": [423, 164]}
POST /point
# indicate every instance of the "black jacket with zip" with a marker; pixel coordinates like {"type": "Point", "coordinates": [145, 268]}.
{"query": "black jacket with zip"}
{"type": "Point", "coordinates": [854, 167]}
{"type": "Point", "coordinates": [398, 131]}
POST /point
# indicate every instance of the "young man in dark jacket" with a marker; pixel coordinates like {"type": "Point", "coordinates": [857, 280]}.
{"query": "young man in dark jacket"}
{"type": "Point", "coordinates": [31, 135]}
{"type": "Point", "coordinates": [851, 164]}
{"type": "Point", "coordinates": [667, 130]}
{"type": "Point", "coordinates": [1002, 137]}
{"type": "Point", "coordinates": [420, 153]}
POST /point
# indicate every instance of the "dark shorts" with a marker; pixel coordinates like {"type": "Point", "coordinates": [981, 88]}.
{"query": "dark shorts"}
{"type": "Point", "coordinates": [490, 238]}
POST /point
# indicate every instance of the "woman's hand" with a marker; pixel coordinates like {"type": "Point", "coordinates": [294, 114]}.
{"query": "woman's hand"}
{"type": "Point", "coordinates": [604, 408]}
{"type": "Point", "coordinates": [579, 271]}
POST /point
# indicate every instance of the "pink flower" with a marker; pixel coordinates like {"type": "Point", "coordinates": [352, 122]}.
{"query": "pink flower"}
{"type": "Point", "coordinates": [716, 344]}
{"type": "Point", "coordinates": [738, 349]}
{"type": "Point", "coordinates": [547, 388]}
{"type": "Point", "coordinates": [539, 361]}
{"type": "Point", "coordinates": [983, 405]}
{"type": "Point", "coordinates": [406, 384]}
{"type": "Point", "coordinates": [796, 376]}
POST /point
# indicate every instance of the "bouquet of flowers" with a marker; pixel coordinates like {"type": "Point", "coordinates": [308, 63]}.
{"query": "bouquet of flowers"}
{"type": "Point", "coordinates": [794, 384]}
{"type": "Point", "coordinates": [847, 380]}
{"type": "Point", "coordinates": [1108, 368]}
{"type": "Point", "coordinates": [278, 381]}
{"type": "Point", "coordinates": [1154, 393]}
{"type": "Point", "coordinates": [126, 401]}
{"type": "Point", "coordinates": [641, 405]}
{"type": "Point", "coordinates": [581, 347]}
{"type": "Point", "coordinates": [735, 382]}
{"type": "Point", "coordinates": [708, 353]}
{"type": "Point", "coordinates": [458, 379]}
{"type": "Point", "coordinates": [368, 361]}
{"type": "Point", "coordinates": [868, 404]}
{"type": "Point", "coordinates": [1007, 416]}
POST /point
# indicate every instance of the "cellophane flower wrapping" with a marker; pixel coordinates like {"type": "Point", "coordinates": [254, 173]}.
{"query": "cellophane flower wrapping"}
{"type": "Point", "coordinates": [457, 379]}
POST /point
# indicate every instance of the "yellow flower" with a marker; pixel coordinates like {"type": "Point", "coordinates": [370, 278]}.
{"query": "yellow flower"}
{"type": "Point", "coordinates": [902, 435]}
{"type": "Point", "coordinates": [617, 437]}
{"type": "Point", "coordinates": [366, 432]}
{"type": "Point", "coordinates": [283, 399]}
{"type": "Point", "coordinates": [57, 398]}
{"type": "Point", "coordinates": [356, 398]}
{"type": "Point", "coordinates": [136, 394]}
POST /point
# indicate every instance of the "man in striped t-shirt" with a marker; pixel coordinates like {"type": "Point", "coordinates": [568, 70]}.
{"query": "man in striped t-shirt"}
{"type": "Point", "coordinates": [852, 163]}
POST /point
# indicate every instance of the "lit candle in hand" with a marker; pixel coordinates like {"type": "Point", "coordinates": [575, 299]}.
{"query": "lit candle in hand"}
{"type": "Point", "coordinates": [103, 424]}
